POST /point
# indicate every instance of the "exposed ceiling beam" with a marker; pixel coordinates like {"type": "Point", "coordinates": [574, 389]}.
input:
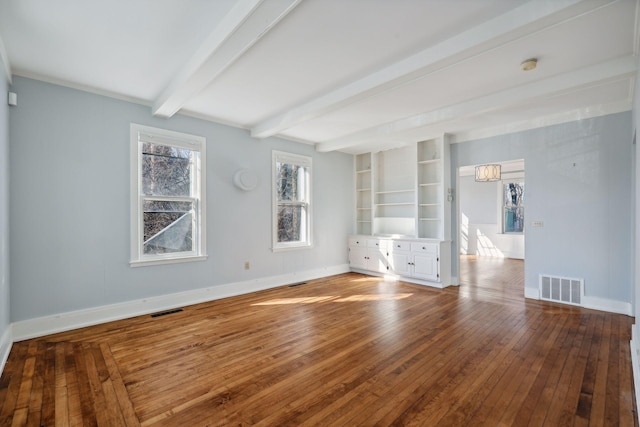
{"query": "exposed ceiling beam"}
{"type": "Point", "coordinates": [528, 18]}
{"type": "Point", "coordinates": [246, 23]}
{"type": "Point", "coordinates": [576, 114]}
{"type": "Point", "coordinates": [586, 76]}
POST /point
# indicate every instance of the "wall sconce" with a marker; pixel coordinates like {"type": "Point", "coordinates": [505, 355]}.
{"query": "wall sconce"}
{"type": "Point", "coordinates": [488, 173]}
{"type": "Point", "coordinates": [245, 179]}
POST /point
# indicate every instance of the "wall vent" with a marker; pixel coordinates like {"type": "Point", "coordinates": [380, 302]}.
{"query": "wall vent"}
{"type": "Point", "coordinates": [164, 313]}
{"type": "Point", "coordinates": [561, 289]}
{"type": "Point", "coordinates": [297, 284]}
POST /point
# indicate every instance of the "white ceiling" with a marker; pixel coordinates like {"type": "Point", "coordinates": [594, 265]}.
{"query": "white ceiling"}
{"type": "Point", "coordinates": [348, 75]}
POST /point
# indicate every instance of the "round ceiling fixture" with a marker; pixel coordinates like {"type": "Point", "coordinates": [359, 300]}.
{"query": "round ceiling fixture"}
{"type": "Point", "coordinates": [529, 64]}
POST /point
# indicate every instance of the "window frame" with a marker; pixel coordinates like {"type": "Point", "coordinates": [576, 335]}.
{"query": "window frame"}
{"type": "Point", "coordinates": [517, 179]}
{"type": "Point", "coordinates": [307, 163]}
{"type": "Point", "coordinates": [140, 134]}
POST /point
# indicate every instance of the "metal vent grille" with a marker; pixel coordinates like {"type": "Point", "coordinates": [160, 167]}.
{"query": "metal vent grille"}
{"type": "Point", "coordinates": [561, 289]}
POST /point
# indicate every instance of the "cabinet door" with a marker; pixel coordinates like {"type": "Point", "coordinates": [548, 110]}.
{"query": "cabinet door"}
{"type": "Point", "coordinates": [358, 257]}
{"type": "Point", "coordinates": [399, 263]}
{"type": "Point", "coordinates": [425, 266]}
{"type": "Point", "coordinates": [377, 260]}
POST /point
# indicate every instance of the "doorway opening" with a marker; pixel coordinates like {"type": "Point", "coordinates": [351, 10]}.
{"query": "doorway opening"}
{"type": "Point", "coordinates": [491, 215]}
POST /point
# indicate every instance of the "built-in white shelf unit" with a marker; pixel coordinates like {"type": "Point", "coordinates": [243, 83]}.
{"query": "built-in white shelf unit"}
{"type": "Point", "coordinates": [404, 191]}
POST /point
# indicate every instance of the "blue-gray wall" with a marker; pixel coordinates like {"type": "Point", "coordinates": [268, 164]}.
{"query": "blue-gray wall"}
{"type": "Point", "coordinates": [70, 205]}
{"type": "Point", "coordinates": [4, 204]}
{"type": "Point", "coordinates": [579, 182]}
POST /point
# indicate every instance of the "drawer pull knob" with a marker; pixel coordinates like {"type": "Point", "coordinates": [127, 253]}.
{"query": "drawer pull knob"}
{"type": "Point", "coordinates": [424, 247]}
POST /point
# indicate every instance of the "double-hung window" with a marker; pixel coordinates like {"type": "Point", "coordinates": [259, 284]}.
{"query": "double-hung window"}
{"type": "Point", "coordinates": [513, 206]}
{"type": "Point", "coordinates": [291, 200]}
{"type": "Point", "coordinates": [167, 196]}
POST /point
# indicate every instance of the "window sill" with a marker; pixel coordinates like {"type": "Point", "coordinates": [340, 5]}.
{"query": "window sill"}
{"type": "Point", "coordinates": [145, 263]}
{"type": "Point", "coordinates": [290, 248]}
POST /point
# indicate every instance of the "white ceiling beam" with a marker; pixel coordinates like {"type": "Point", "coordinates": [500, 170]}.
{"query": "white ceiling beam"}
{"type": "Point", "coordinates": [246, 23]}
{"type": "Point", "coordinates": [592, 75]}
{"type": "Point", "coordinates": [528, 18]}
{"type": "Point", "coordinates": [580, 113]}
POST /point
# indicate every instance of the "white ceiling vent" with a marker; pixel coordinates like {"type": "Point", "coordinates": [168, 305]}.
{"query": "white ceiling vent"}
{"type": "Point", "coordinates": [561, 289]}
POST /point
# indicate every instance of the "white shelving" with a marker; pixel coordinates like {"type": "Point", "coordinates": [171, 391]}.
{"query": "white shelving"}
{"type": "Point", "coordinates": [433, 182]}
{"type": "Point", "coordinates": [364, 184]}
{"type": "Point", "coordinates": [403, 191]}
{"type": "Point", "coordinates": [395, 192]}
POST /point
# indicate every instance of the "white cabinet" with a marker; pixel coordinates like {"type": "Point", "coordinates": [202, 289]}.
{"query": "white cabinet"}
{"type": "Point", "coordinates": [425, 261]}
{"type": "Point", "coordinates": [415, 259]}
{"type": "Point", "coordinates": [368, 254]}
{"type": "Point", "coordinates": [358, 258]}
{"type": "Point", "coordinates": [412, 260]}
{"type": "Point", "coordinates": [400, 258]}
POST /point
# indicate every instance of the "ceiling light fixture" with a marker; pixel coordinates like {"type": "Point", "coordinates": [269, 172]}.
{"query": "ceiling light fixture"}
{"type": "Point", "coordinates": [529, 64]}
{"type": "Point", "coordinates": [488, 173]}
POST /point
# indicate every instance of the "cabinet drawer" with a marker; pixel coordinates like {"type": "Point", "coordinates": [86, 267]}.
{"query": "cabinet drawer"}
{"type": "Point", "coordinates": [425, 248]}
{"type": "Point", "coordinates": [357, 241]}
{"type": "Point", "coordinates": [399, 245]}
{"type": "Point", "coordinates": [376, 243]}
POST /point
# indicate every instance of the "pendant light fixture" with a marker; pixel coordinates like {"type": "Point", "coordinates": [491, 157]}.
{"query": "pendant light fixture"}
{"type": "Point", "coordinates": [488, 173]}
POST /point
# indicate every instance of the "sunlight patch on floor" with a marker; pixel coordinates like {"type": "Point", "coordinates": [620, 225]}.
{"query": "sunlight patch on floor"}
{"type": "Point", "coordinates": [336, 298]}
{"type": "Point", "coordinates": [376, 297]}
{"type": "Point", "coordinates": [300, 300]}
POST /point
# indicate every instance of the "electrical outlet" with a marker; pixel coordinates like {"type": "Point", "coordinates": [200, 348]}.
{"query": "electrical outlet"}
{"type": "Point", "coordinates": [247, 265]}
{"type": "Point", "coordinates": [537, 223]}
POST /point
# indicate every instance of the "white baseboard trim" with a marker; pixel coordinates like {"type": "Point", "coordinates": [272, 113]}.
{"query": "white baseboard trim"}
{"type": "Point", "coordinates": [32, 328]}
{"type": "Point", "coordinates": [603, 304]}
{"type": "Point", "coordinates": [532, 293]}
{"type": "Point", "coordinates": [635, 363]}
{"type": "Point", "coordinates": [5, 347]}
{"type": "Point", "coordinates": [594, 303]}
{"type": "Point", "coordinates": [513, 255]}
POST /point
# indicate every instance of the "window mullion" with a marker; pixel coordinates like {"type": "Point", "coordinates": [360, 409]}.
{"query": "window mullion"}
{"type": "Point", "coordinates": [169, 198]}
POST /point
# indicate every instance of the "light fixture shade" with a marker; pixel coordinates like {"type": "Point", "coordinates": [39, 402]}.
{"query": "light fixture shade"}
{"type": "Point", "coordinates": [488, 173]}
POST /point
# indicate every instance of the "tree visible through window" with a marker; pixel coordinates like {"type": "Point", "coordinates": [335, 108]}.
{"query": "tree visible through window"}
{"type": "Point", "coordinates": [292, 218]}
{"type": "Point", "coordinates": [167, 205]}
{"type": "Point", "coordinates": [513, 207]}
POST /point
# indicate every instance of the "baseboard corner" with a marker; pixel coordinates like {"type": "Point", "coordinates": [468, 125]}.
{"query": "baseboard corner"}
{"type": "Point", "coordinates": [531, 293]}
{"type": "Point", "coordinates": [604, 304]}
{"type": "Point", "coordinates": [6, 342]}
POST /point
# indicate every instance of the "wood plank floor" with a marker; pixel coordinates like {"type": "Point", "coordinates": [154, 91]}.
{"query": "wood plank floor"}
{"type": "Point", "coordinates": [345, 350]}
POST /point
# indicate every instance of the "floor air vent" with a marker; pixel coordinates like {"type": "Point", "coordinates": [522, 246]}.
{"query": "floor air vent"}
{"type": "Point", "coordinates": [561, 289]}
{"type": "Point", "coordinates": [164, 313]}
{"type": "Point", "coordinates": [297, 284]}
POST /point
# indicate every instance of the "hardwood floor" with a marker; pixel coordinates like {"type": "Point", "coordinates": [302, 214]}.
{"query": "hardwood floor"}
{"type": "Point", "coordinates": [345, 350]}
{"type": "Point", "coordinates": [497, 277]}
